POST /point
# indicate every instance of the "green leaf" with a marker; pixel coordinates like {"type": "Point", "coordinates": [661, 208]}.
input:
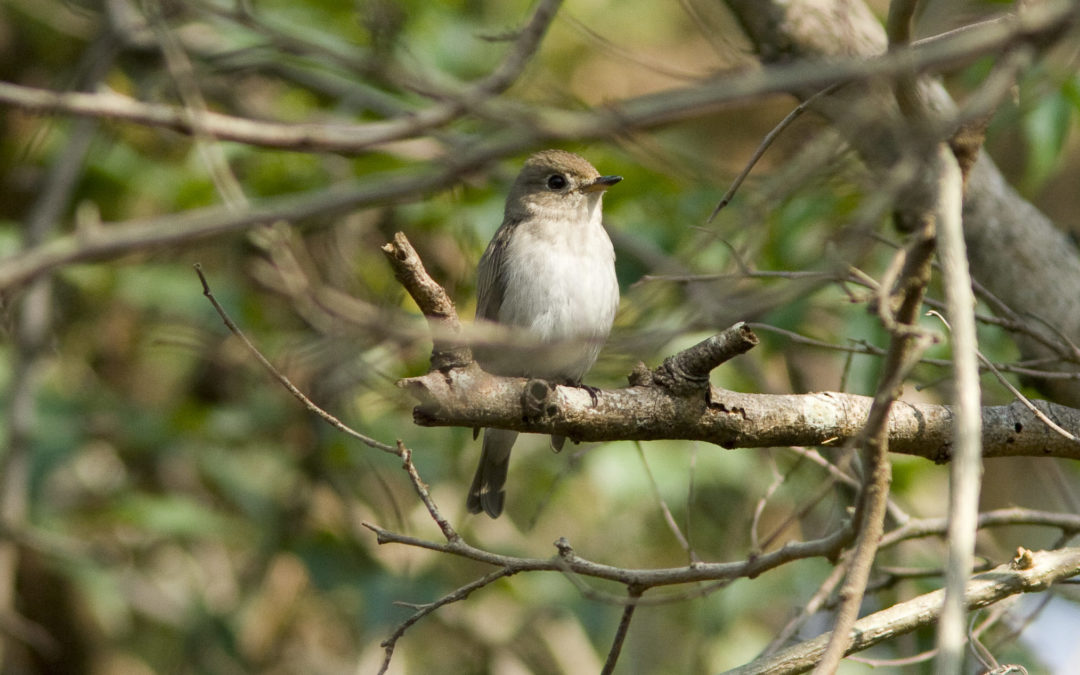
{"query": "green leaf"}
{"type": "Point", "coordinates": [1046, 127]}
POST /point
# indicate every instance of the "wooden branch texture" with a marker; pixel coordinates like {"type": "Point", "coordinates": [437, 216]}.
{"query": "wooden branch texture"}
{"type": "Point", "coordinates": [434, 302]}
{"type": "Point", "coordinates": [471, 397]}
{"type": "Point", "coordinates": [1029, 572]}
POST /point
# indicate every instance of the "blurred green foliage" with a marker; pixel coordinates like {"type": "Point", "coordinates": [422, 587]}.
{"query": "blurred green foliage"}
{"type": "Point", "coordinates": [197, 519]}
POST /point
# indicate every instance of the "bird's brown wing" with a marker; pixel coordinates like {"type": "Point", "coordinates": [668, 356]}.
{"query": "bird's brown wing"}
{"type": "Point", "coordinates": [490, 282]}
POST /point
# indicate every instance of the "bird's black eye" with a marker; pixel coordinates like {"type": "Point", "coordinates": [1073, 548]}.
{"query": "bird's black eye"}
{"type": "Point", "coordinates": [556, 181]}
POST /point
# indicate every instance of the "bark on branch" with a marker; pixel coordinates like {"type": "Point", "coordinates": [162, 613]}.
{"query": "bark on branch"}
{"type": "Point", "coordinates": [470, 397]}
{"type": "Point", "coordinates": [447, 352]}
{"type": "Point", "coordinates": [1027, 573]}
{"type": "Point", "coordinates": [674, 401]}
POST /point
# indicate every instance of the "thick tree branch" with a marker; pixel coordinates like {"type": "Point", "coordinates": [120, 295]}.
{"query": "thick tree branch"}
{"type": "Point", "coordinates": [470, 397]}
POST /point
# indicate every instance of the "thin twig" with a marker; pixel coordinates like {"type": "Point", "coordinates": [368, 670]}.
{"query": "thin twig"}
{"type": "Point", "coordinates": [284, 381]}
{"type": "Point", "coordinates": [574, 566]}
{"type": "Point", "coordinates": [840, 474]}
{"type": "Point", "coordinates": [912, 277]}
{"type": "Point", "coordinates": [521, 52]}
{"type": "Point", "coordinates": [765, 144]}
{"type": "Point", "coordinates": [399, 449]}
{"type": "Point", "coordinates": [965, 471]}
{"type": "Point", "coordinates": [1049, 567]}
{"type": "Point", "coordinates": [896, 663]}
{"type": "Point", "coordinates": [194, 108]}
{"type": "Point", "coordinates": [633, 593]}
{"type": "Point", "coordinates": [458, 594]}
{"type": "Point", "coordinates": [664, 508]}
{"type": "Point", "coordinates": [1013, 390]}
{"type": "Point", "coordinates": [816, 602]}
{"type": "Point", "coordinates": [422, 491]}
{"type": "Point", "coordinates": [1068, 523]}
{"type": "Point", "coordinates": [759, 508]}
{"type": "Point", "coordinates": [691, 495]}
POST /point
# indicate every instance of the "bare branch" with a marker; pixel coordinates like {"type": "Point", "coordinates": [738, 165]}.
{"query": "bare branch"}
{"type": "Point", "coordinates": [568, 562]}
{"type": "Point", "coordinates": [620, 634]}
{"type": "Point", "coordinates": [470, 397]}
{"type": "Point", "coordinates": [447, 352]}
{"type": "Point", "coordinates": [816, 602]}
{"type": "Point", "coordinates": [523, 49]}
{"type": "Point", "coordinates": [1068, 523]}
{"type": "Point", "coordinates": [912, 264]}
{"type": "Point", "coordinates": [1038, 25]}
{"type": "Point", "coordinates": [766, 142]}
{"type": "Point", "coordinates": [669, 517]}
{"type": "Point", "coordinates": [1024, 575]}
{"type": "Point", "coordinates": [965, 472]}
{"type": "Point", "coordinates": [109, 241]}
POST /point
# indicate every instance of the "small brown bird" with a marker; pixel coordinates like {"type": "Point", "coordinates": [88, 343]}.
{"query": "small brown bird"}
{"type": "Point", "coordinates": [549, 270]}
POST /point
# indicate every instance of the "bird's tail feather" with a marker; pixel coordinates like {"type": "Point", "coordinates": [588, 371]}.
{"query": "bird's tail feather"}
{"type": "Point", "coordinates": [486, 493]}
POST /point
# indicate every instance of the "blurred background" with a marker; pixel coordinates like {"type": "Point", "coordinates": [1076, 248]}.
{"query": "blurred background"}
{"type": "Point", "coordinates": [169, 508]}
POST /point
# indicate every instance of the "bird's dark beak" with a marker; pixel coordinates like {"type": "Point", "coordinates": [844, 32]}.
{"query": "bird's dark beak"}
{"type": "Point", "coordinates": [600, 184]}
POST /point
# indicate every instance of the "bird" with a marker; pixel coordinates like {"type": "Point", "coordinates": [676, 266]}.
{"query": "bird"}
{"type": "Point", "coordinates": [549, 271]}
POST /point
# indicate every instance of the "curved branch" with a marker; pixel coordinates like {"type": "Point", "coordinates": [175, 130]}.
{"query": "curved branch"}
{"type": "Point", "coordinates": [567, 561]}
{"type": "Point", "coordinates": [343, 137]}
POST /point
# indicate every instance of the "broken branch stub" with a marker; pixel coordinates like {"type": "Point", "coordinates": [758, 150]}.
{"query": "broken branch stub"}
{"type": "Point", "coordinates": [433, 301]}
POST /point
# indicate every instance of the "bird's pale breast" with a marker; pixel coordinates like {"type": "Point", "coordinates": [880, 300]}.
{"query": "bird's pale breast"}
{"type": "Point", "coordinates": [561, 285]}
